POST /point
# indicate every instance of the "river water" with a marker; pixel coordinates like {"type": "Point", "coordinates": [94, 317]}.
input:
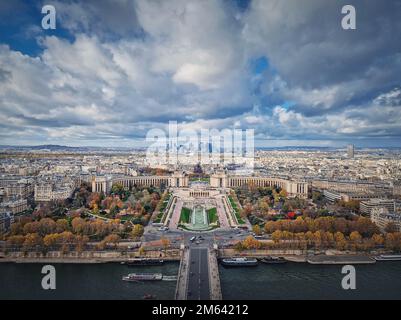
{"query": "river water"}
{"type": "Point", "coordinates": [288, 281]}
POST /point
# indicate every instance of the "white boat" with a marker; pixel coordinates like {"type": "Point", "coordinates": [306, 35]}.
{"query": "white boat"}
{"type": "Point", "coordinates": [388, 257]}
{"type": "Point", "coordinates": [239, 262]}
{"type": "Point", "coordinates": [169, 278]}
{"type": "Point", "coordinates": [143, 277]}
{"type": "Point", "coordinates": [143, 262]}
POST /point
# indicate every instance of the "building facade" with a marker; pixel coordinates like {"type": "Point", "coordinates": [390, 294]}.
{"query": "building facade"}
{"type": "Point", "coordinates": [293, 188]}
{"type": "Point", "coordinates": [382, 218]}
{"type": "Point", "coordinates": [353, 187]}
{"type": "Point", "coordinates": [6, 219]}
{"type": "Point", "coordinates": [333, 196]}
{"type": "Point", "coordinates": [14, 206]}
{"type": "Point", "coordinates": [105, 183]}
{"type": "Point", "coordinates": [366, 207]}
{"type": "Point", "coordinates": [350, 151]}
{"type": "Point", "coordinates": [45, 192]}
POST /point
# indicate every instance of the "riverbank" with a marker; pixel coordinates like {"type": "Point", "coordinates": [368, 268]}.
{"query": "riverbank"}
{"type": "Point", "coordinates": [354, 259]}
{"type": "Point", "coordinates": [86, 257]}
{"type": "Point", "coordinates": [99, 257]}
{"type": "Point", "coordinates": [328, 257]}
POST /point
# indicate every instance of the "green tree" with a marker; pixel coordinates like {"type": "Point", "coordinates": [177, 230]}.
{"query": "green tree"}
{"type": "Point", "coordinates": [137, 231]}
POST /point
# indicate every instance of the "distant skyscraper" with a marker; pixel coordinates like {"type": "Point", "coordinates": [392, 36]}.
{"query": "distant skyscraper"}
{"type": "Point", "coordinates": [351, 151]}
{"type": "Point", "coordinates": [210, 147]}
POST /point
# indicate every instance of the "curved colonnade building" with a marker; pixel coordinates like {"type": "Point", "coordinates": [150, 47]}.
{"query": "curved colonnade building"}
{"type": "Point", "coordinates": [104, 183]}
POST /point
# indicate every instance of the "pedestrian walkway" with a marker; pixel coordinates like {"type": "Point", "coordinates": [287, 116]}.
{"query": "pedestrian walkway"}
{"type": "Point", "coordinates": [175, 218]}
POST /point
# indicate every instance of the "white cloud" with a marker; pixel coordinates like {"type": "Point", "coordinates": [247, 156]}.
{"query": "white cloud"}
{"type": "Point", "coordinates": [190, 61]}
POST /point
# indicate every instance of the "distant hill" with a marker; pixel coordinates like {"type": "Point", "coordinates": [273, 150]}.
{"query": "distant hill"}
{"type": "Point", "coordinates": [55, 148]}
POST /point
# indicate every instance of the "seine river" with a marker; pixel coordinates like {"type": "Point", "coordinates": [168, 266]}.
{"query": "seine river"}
{"type": "Point", "coordinates": [289, 281]}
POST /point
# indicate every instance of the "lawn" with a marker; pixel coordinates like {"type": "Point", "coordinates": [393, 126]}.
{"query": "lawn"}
{"type": "Point", "coordinates": [185, 215]}
{"type": "Point", "coordinates": [212, 215]}
{"type": "Point", "coordinates": [236, 211]}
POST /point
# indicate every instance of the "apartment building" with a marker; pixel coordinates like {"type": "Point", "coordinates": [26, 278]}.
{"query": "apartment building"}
{"type": "Point", "coordinates": [382, 217]}
{"type": "Point", "coordinates": [366, 207]}
{"type": "Point", "coordinates": [52, 192]}
{"type": "Point", "coordinates": [14, 206]}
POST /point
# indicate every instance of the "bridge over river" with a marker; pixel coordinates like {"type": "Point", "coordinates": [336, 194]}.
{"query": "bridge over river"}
{"type": "Point", "coordinates": [198, 277]}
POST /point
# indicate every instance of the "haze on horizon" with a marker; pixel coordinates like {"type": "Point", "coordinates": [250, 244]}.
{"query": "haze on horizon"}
{"type": "Point", "coordinates": [112, 70]}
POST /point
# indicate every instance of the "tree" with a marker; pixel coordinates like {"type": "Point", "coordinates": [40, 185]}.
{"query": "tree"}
{"type": "Point", "coordinates": [47, 226]}
{"type": "Point", "coordinates": [356, 239]}
{"type": "Point", "coordinates": [239, 246]}
{"type": "Point", "coordinates": [114, 210]}
{"type": "Point", "coordinates": [81, 242]}
{"type": "Point", "coordinates": [16, 240]}
{"type": "Point", "coordinates": [393, 241]}
{"type": "Point", "coordinates": [32, 240]}
{"type": "Point", "coordinates": [51, 240]}
{"type": "Point", "coordinates": [82, 195]}
{"type": "Point", "coordinates": [378, 239]}
{"type": "Point", "coordinates": [270, 227]}
{"type": "Point", "coordinates": [355, 236]}
{"type": "Point", "coordinates": [31, 227]}
{"type": "Point", "coordinates": [256, 229]}
{"type": "Point", "coordinates": [340, 241]}
{"type": "Point", "coordinates": [100, 228]}
{"type": "Point", "coordinates": [94, 199]}
{"type": "Point", "coordinates": [137, 231]}
{"type": "Point", "coordinates": [142, 251]}
{"type": "Point", "coordinates": [366, 227]}
{"type": "Point", "coordinates": [117, 189]}
{"type": "Point", "coordinates": [317, 196]}
{"type": "Point", "coordinates": [112, 239]}
{"type": "Point", "coordinates": [139, 208]}
{"type": "Point", "coordinates": [165, 243]}
{"type": "Point", "coordinates": [318, 239]}
{"type": "Point", "coordinates": [17, 228]}
{"type": "Point", "coordinates": [277, 236]}
{"type": "Point", "coordinates": [62, 225]}
{"type": "Point", "coordinates": [251, 243]}
{"type": "Point", "coordinates": [391, 227]}
{"type": "Point", "coordinates": [263, 204]}
{"type": "Point", "coordinates": [299, 225]}
{"type": "Point", "coordinates": [283, 194]}
{"type": "Point", "coordinates": [78, 225]}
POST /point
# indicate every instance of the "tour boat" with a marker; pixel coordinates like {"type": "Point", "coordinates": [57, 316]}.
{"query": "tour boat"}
{"type": "Point", "coordinates": [169, 278]}
{"type": "Point", "coordinates": [143, 277]}
{"type": "Point", "coordinates": [390, 257]}
{"type": "Point", "coordinates": [143, 262]}
{"type": "Point", "coordinates": [273, 260]}
{"type": "Point", "coordinates": [239, 262]}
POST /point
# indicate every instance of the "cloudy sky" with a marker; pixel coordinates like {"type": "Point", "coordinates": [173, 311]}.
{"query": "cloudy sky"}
{"type": "Point", "coordinates": [112, 70]}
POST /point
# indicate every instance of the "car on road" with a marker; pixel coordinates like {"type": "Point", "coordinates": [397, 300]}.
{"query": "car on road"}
{"type": "Point", "coordinates": [192, 239]}
{"type": "Point", "coordinates": [260, 237]}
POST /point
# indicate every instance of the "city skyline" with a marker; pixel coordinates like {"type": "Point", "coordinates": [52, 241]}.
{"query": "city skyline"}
{"type": "Point", "coordinates": [110, 72]}
{"type": "Point", "coordinates": [200, 152]}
